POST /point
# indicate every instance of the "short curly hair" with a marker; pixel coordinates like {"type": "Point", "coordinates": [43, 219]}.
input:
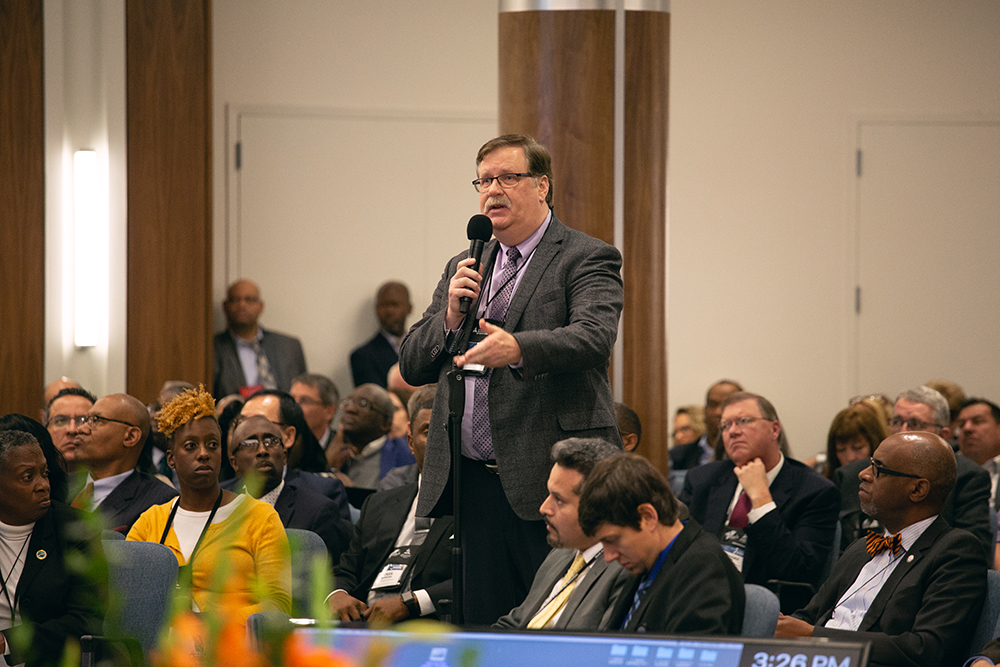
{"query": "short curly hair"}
{"type": "Point", "coordinates": [192, 404]}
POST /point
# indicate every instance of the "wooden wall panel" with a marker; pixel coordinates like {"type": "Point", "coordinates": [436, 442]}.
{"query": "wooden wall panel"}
{"type": "Point", "coordinates": [168, 93]}
{"type": "Point", "coordinates": [22, 207]}
{"type": "Point", "coordinates": [647, 47]}
{"type": "Point", "coordinates": [557, 84]}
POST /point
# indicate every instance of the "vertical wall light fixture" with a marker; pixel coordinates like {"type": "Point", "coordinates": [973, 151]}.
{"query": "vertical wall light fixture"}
{"type": "Point", "coordinates": [90, 250]}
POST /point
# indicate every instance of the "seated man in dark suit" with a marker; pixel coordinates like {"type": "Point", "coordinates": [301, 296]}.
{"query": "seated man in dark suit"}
{"type": "Point", "coordinates": [774, 516]}
{"type": "Point", "coordinates": [421, 399]}
{"type": "Point", "coordinates": [398, 565]}
{"type": "Point", "coordinates": [258, 457]}
{"type": "Point", "coordinates": [682, 582]}
{"type": "Point", "coordinates": [575, 588]}
{"type": "Point", "coordinates": [629, 426]}
{"type": "Point", "coordinates": [371, 362]}
{"type": "Point", "coordinates": [111, 442]}
{"type": "Point", "coordinates": [914, 590]}
{"type": "Point", "coordinates": [248, 357]}
{"type": "Point", "coordinates": [304, 457]}
{"type": "Point", "coordinates": [967, 505]}
{"type": "Point", "coordinates": [54, 601]}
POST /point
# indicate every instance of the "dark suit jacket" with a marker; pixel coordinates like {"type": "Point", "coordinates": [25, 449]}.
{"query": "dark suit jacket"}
{"type": "Point", "coordinates": [967, 506]}
{"type": "Point", "coordinates": [564, 315]}
{"type": "Point", "coordinates": [685, 457]}
{"type": "Point", "coordinates": [697, 591]}
{"type": "Point", "coordinates": [136, 494]}
{"type": "Point", "coordinates": [382, 517]}
{"type": "Point", "coordinates": [790, 543]}
{"type": "Point", "coordinates": [325, 485]}
{"type": "Point", "coordinates": [590, 604]}
{"type": "Point", "coordinates": [371, 362]}
{"type": "Point", "coordinates": [398, 477]}
{"type": "Point", "coordinates": [57, 601]}
{"type": "Point", "coordinates": [283, 352]}
{"type": "Point", "coordinates": [928, 608]}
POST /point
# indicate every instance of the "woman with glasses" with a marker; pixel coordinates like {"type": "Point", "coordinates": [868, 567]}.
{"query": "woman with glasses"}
{"type": "Point", "coordinates": [232, 548]}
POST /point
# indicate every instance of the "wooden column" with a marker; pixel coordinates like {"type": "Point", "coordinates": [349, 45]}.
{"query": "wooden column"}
{"type": "Point", "coordinates": [169, 96]}
{"type": "Point", "coordinates": [22, 207]}
{"type": "Point", "coordinates": [557, 84]}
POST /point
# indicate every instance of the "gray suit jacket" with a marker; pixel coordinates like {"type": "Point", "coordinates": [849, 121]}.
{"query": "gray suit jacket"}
{"type": "Point", "coordinates": [283, 352]}
{"type": "Point", "coordinates": [564, 316]}
{"type": "Point", "coordinates": [589, 606]}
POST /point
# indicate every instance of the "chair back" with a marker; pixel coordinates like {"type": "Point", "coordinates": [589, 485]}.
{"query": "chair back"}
{"type": "Point", "coordinates": [142, 577]}
{"type": "Point", "coordinates": [760, 613]}
{"type": "Point", "coordinates": [112, 535]}
{"type": "Point", "coordinates": [838, 535]}
{"type": "Point", "coordinates": [988, 627]}
{"type": "Point", "coordinates": [306, 546]}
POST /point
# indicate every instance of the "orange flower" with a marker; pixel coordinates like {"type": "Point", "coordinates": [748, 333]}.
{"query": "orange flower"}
{"type": "Point", "coordinates": [300, 654]}
{"type": "Point", "coordinates": [232, 649]}
{"type": "Point", "coordinates": [184, 645]}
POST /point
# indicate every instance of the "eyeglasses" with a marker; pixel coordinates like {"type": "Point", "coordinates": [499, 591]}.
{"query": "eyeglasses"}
{"type": "Point", "coordinates": [63, 421]}
{"type": "Point", "coordinates": [94, 420]}
{"type": "Point", "coordinates": [503, 180]}
{"type": "Point", "coordinates": [308, 400]}
{"type": "Point", "coordinates": [742, 422]}
{"type": "Point", "coordinates": [361, 403]}
{"type": "Point", "coordinates": [271, 443]}
{"type": "Point", "coordinates": [913, 424]}
{"type": "Point", "coordinates": [882, 470]}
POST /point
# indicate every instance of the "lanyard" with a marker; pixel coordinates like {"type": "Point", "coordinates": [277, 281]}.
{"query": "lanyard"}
{"type": "Point", "coordinates": [170, 522]}
{"type": "Point", "coordinates": [3, 581]}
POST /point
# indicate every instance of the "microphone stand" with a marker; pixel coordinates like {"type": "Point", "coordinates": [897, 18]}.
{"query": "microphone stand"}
{"type": "Point", "coordinates": [456, 412]}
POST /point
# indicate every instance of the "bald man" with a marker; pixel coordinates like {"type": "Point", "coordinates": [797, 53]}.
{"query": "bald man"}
{"type": "Point", "coordinates": [916, 590]}
{"type": "Point", "coordinates": [111, 440]}
{"type": "Point", "coordinates": [371, 362]}
{"type": "Point", "coordinates": [249, 357]}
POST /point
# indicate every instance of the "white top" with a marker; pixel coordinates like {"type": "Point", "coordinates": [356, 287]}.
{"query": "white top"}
{"type": "Point", "coordinates": [188, 525]}
{"type": "Point", "coordinates": [13, 551]}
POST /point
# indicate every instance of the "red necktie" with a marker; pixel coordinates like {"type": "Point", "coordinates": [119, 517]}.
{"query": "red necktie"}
{"type": "Point", "coordinates": [741, 512]}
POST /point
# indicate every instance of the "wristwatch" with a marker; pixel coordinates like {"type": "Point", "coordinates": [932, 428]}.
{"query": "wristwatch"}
{"type": "Point", "coordinates": [412, 606]}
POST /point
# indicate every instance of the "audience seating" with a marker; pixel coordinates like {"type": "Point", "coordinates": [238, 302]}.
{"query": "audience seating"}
{"type": "Point", "coordinates": [141, 577]}
{"type": "Point", "coordinates": [306, 547]}
{"type": "Point", "coordinates": [760, 614]}
{"type": "Point", "coordinates": [988, 627]}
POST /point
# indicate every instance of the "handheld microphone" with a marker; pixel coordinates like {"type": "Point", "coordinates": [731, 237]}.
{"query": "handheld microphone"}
{"type": "Point", "coordinates": [480, 231]}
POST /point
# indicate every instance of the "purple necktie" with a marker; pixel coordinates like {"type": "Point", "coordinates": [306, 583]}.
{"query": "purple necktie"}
{"type": "Point", "coordinates": [741, 512]}
{"type": "Point", "coordinates": [482, 439]}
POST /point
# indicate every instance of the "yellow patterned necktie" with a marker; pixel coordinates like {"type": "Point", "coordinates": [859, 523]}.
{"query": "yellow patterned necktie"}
{"type": "Point", "coordinates": [566, 586]}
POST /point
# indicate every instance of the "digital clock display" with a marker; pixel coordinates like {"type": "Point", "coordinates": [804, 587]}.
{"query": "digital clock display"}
{"type": "Point", "coordinates": [811, 657]}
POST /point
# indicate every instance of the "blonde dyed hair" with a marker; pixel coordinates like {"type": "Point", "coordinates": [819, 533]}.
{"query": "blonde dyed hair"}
{"type": "Point", "coordinates": [192, 404]}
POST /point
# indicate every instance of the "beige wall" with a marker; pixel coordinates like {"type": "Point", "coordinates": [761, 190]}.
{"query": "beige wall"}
{"type": "Point", "coordinates": [339, 62]}
{"type": "Point", "coordinates": [763, 102]}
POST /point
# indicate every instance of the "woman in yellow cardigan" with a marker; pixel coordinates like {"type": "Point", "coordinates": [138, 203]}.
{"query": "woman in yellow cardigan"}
{"type": "Point", "coordinates": [232, 547]}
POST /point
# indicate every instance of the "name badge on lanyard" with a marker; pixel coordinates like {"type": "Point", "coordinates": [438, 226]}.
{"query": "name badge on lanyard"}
{"type": "Point", "coordinates": [476, 337]}
{"type": "Point", "coordinates": [734, 543]}
{"type": "Point", "coordinates": [394, 571]}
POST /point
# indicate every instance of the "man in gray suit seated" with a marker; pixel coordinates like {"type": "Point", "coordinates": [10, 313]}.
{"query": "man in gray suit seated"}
{"type": "Point", "coordinates": [249, 357]}
{"type": "Point", "coordinates": [575, 588]}
{"type": "Point", "coordinates": [111, 441]}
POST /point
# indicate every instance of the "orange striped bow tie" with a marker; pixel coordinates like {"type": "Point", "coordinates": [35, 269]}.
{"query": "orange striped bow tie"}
{"type": "Point", "coordinates": [876, 544]}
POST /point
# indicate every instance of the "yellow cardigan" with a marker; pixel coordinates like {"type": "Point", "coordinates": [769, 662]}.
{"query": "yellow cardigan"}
{"type": "Point", "coordinates": [243, 565]}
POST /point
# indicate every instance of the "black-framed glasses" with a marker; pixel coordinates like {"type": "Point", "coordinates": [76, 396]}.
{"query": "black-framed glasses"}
{"type": "Point", "coordinates": [362, 403]}
{"type": "Point", "coordinates": [94, 420]}
{"type": "Point", "coordinates": [503, 180]}
{"type": "Point", "coordinates": [882, 470]}
{"type": "Point", "coordinates": [271, 443]}
{"type": "Point", "coordinates": [742, 422]}
{"type": "Point", "coordinates": [63, 421]}
{"type": "Point", "coordinates": [913, 424]}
